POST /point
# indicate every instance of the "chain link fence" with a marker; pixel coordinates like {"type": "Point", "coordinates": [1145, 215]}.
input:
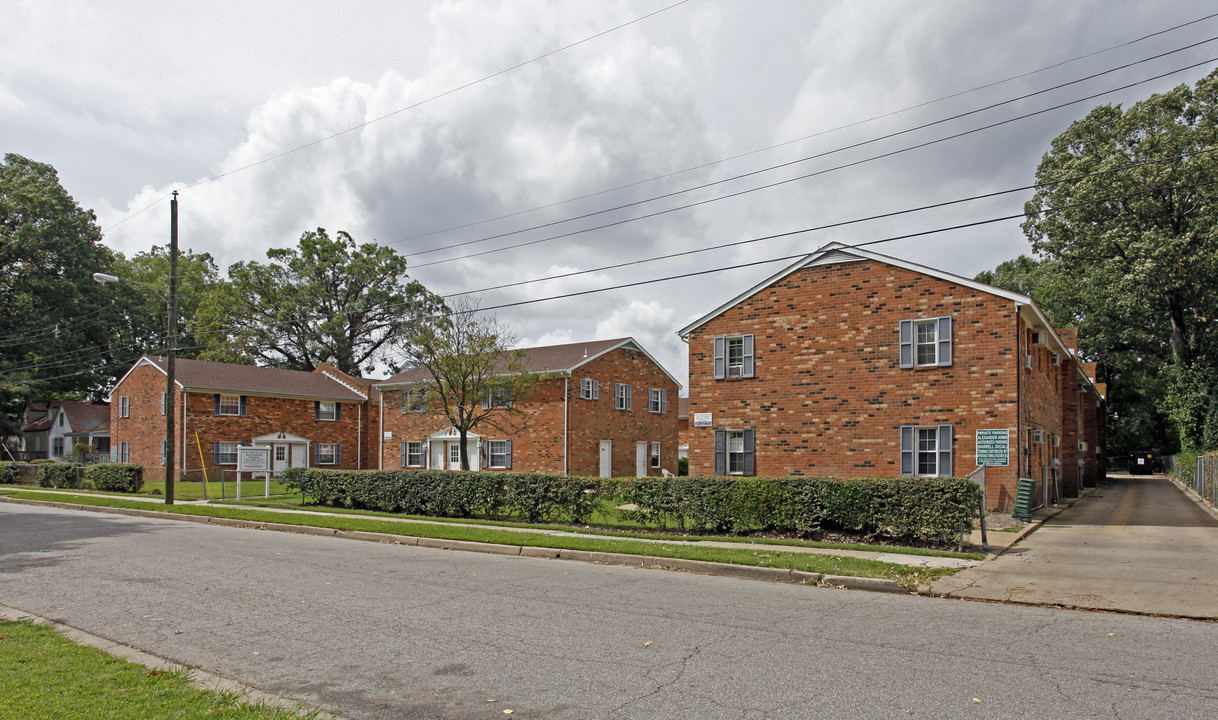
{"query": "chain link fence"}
{"type": "Point", "coordinates": [1205, 477]}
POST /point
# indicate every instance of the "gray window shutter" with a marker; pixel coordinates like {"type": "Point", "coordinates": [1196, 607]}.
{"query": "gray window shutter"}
{"type": "Point", "coordinates": [720, 359]}
{"type": "Point", "coordinates": [907, 349]}
{"type": "Point", "coordinates": [720, 452]}
{"type": "Point", "coordinates": [945, 450]}
{"type": "Point", "coordinates": [750, 462]}
{"type": "Point", "coordinates": [663, 401]}
{"type": "Point", "coordinates": [945, 341]}
{"type": "Point", "coordinates": [907, 450]}
{"type": "Point", "coordinates": [317, 410]}
{"type": "Point", "coordinates": [216, 397]}
{"type": "Point", "coordinates": [338, 411]}
{"type": "Point", "coordinates": [402, 463]}
{"type": "Point", "coordinates": [316, 454]}
{"type": "Point", "coordinates": [215, 447]}
{"type": "Point", "coordinates": [596, 389]}
{"type": "Point", "coordinates": [241, 405]}
{"type": "Point", "coordinates": [338, 454]}
{"type": "Point", "coordinates": [508, 463]}
{"type": "Point", "coordinates": [628, 404]}
{"type": "Point", "coordinates": [747, 370]}
{"type": "Point", "coordinates": [485, 453]}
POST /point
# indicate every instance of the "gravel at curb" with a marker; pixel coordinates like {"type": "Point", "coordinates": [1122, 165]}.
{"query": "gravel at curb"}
{"type": "Point", "coordinates": [200, 679]}
{"type": "Point", "coordinates": [740, 572]}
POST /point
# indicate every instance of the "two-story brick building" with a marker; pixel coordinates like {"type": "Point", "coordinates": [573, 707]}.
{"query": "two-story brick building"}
{"type": "Point", "coordinates": [851, 363]}
{"type": "Point", "coordinates": [605, 408]}
{"type": "Point", "coordinates": [319, 418]}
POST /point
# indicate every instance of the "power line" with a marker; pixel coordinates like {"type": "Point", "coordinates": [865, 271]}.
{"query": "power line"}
{"type": "Point", "coordinates": [805, 137]}
{"type": "Point", "coordinates": [366, 123]}
{"type": "Point", "coordinates": [767, 186]}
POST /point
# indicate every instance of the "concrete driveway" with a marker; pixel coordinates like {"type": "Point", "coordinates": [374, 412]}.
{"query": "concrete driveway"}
{"type": "Point", "coordinates": [1134, 544]}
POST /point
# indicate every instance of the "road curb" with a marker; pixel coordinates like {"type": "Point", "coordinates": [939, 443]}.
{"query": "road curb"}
{"type": "Point", "coordinates": [199, 678]}
{"type": "Point", "coordinates": [701, 567]}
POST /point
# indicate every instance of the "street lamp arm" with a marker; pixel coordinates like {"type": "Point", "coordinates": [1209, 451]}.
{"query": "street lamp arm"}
{"type": "Point", "coordinates": [104, 278]}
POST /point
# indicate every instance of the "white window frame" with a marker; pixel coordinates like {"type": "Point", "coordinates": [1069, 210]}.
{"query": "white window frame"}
{"type": "Point", "coordinates": [162, 450]}
{"type": "Point", "coordinates": [655, 455]}
{"type": "Point", "coordinates": [497, 453]}
{"type": "Point", "coordinates": [231, 402]}
{"type": "Point", "coordinates": [621, 396]}
{"type": "Point", "coordinates": [162, 406]}
{"type": "Point", "coordinates": [124, 407]}
{"type": "Point", "coordinates": [589, 389]}
{"type": "Point", "coordinates": [223, 452]}
{"type": "Point", "coordinates": [414, 400]}
{"type": "Point", "coordinates": [327, 450]}
{"type": "Point", "coordinates": [920, 343]}
{"type": "Point", "coordinates": [415, 454]}
{"type": "Point", "coordinates": [324, 413]}
{"type": "Point", "coordinates": [923, 436]}
{"type": "Point", "coordinates": [57, 447]}
{"type": "Point", "coordinates": [124, 452]}
{"type": "Point", "coordinates": [657, 400]}
{"type": "Point", "coordinates": [734, 452]}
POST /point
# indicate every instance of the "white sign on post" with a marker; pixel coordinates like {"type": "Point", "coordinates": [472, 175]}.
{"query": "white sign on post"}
{"type": "Point", "coordinates": [254, 460]}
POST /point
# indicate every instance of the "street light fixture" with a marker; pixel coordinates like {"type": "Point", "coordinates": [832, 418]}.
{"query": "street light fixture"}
{"type": "Point", "coordinates": [171, 351]}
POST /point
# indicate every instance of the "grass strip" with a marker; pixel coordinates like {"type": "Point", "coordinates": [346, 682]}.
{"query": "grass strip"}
{"type": "Point", "coordinates": [44, 675]}
{"type": "Point", "coordinates": [907, 576]}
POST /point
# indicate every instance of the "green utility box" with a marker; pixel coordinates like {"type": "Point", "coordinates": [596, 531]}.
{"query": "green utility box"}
{"type": "Point", "coordinates": [1024, 493]}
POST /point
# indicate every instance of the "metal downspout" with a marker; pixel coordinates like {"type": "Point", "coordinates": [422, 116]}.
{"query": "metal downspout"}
{"type": "Point", "coordinates": [566, 402]}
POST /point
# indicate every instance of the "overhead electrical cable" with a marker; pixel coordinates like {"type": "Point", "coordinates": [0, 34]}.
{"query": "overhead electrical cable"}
{"type": "Point", "coordinates": [820, 133]}
{"type": "Point", "coordinates": [399, 111]}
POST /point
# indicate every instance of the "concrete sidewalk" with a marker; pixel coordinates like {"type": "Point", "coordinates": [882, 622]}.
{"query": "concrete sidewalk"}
{"type": "Point", "coordinates": [1135, 544]}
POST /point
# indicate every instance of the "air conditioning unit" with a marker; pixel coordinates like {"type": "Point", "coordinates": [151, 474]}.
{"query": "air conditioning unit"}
{"type": "Point", "coordinates": [1082, 446]}
{"type": "Point", "coordinates": [1057, 359]}
{"type": "Point", "coordinates": [1038, 436]}
{"type": "Point", "coordinates": [1027, 361]}
{"type": "Point", "coordinates": [1038, 339]}
{"type": "Point", "coordinates": [1057, 441]}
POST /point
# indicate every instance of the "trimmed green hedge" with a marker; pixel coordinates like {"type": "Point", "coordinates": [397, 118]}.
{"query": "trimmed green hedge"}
{"type": "Point", "coordinates": [116, 477]}
{"type": "Point", "coordinates": [8, 473]}
{"type": "Point", "coordinates": [59, 475]}
{"type": "Point", "coordinates": [917, 509]}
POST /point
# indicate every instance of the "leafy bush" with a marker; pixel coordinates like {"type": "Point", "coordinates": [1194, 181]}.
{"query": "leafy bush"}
{"type": "Point", "coordinates": [8, 473]}
{"type": "Point", "coordinates": [58, 475]}
{"type": "Point", "coordinates": [918, 509]}
{"type": "Point", "coordinates": [116, 477]}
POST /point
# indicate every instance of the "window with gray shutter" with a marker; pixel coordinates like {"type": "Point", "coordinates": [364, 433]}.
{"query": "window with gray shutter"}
{"type": "Point", "coordinates": [720, 452]}
{"type": "Point", "coordinates": [925, 343]}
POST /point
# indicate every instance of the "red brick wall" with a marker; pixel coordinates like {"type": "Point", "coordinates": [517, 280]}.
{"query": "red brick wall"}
{"type": "Point", "coordinates": [145, 428]}
{"type": "Point", "coordinates": [537, 431]}
{"type": "Point", "coordinates": [829, 397]}
{"type": "Point", "coordinates": [1041, 409]}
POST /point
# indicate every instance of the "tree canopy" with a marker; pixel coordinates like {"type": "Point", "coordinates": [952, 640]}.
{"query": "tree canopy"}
{"type": "Point", "coordinates": [55, 330]}
{"type": "Point", "coordinates": [328, 300]}
{"type": "Point", "coordinates": [1123, 225]}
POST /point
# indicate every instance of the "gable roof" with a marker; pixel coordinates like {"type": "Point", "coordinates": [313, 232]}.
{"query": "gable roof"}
{"type": "Point", "coordinates": [250, 379]}
{"type": "Point", "coordinates": [87, 417]}
{"type": "Point", "coordinates": [561, 359]}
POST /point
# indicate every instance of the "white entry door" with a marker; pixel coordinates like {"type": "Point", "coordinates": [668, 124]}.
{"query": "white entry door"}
{"type": "Point", "coordinates": [279, 455]}
{"type": "Point", "coordinates": [454, 455]}
{"type": "Point", "coordinates": [640, 459]}
{"type": "Point", "coordinates": [606, 458]}
{"type": "Point", "coordinates": [437, 455]}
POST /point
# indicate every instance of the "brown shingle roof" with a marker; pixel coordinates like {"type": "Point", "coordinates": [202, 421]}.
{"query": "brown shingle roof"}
{"type": "Point", "coordinates": [550, 358]}
{"type": "Point", "coordinates": [87, 417]}
{"type": "Point", "coordinates": [228, 377]}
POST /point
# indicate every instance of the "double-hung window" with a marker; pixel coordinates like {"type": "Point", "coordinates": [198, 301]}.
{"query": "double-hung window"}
{"type": "Point", "coordinates": [657, 401]}
{"type": "Point", "coordinates": [621, 396]}
{"type": "Point", "coordinates": [926, 342]}
{"type": "Point", "coordinates": [327, 410]}
{"type": "Point", "coordinates": [124, 407]}
{"type": "Point", "coordinates": [734, 357]}
{"type": "Point", "coordinates": [162, 452]}
{"type": "Point", "coordinates": [228, 405]}
{"type": "Point", "coordinates": [734, 452]}
{"type": "Point", "coordinates": [499, 453]}
{"type": "Point", "coordinates": [414, 400]}
{"type": "Point", "coordinates": [327, 453]}
{"type": "Point", "coordinates": [497, 397]}
{"type": "Point", "coordinates": [655, 454]}
{"type": "Point", "coordinates": [57, 447]}
{"type": "Point", "coordinates": [225, 453]}
{"type": "Point", "coordinates": [412, 454]}
{"type": "Point", "coordinates": [926, 450]}
{"type": "Point", "coordinates": [589, 389]}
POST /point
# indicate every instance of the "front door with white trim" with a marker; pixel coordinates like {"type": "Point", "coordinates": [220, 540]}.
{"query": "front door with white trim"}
{"type": "Point", "coordinates": [640, 459]}
{"type": "Point", "coordinates": [606, 450]}
{"type": "Point", "coordinates": [454, 455]}
{"type": "Point", "coordinates": [279, 455]}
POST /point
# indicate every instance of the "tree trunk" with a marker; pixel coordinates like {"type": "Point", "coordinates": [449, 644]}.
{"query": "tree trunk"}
{"type": "Point", "coordinates": [463, 434]}
{"type": "Point", "coordinates": [1179, 346]}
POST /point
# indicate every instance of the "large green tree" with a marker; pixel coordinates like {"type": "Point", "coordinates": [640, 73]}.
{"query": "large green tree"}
{"type": "Point", "coordinates": [1125, 218]}
{"type": "Point", "coordinates": [56, 328]}
{"type": "Point", "coordinates": [327, 300]}
{"type": "Point", "coordinates": [198, 280]}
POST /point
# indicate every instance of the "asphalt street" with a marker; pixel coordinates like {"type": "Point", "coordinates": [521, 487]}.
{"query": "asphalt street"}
{"type": "Point", "coordinates": [385, 631]}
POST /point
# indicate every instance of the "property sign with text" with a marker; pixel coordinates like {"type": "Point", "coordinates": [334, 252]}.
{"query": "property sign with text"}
{"type": "Point", "coordinates": [994, 447]}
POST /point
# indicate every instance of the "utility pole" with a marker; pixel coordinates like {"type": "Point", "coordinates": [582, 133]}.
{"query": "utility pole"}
{"type": "Point", "coordinates": [171, 351]}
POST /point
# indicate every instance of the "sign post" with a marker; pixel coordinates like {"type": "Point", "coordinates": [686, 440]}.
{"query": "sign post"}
{"type": "Point", "coordinates": [254, 460]}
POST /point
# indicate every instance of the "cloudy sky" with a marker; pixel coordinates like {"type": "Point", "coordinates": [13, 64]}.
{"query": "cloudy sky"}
{"type": "Point", "coordinates": [454, 132]}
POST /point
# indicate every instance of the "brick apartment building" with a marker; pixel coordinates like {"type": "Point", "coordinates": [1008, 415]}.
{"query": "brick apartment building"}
{"type": "Point", "coordinates": [851, 363]}
{"type": "Point", "coordinates": [318, 418]}
{"type": "Point", "coordinates": [605, 408]}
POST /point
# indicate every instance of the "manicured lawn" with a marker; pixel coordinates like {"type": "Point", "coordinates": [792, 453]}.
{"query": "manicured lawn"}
{"type": "Point", "coordinates": [219, 490]}
{"type": "Point", "coordinates": [43, 675]}
{"type": "Point", "coordinates": [909, 577]}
